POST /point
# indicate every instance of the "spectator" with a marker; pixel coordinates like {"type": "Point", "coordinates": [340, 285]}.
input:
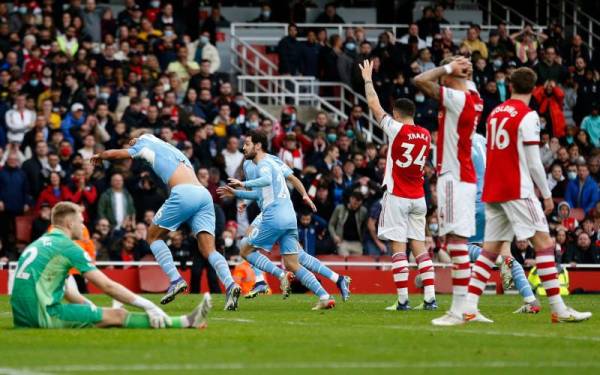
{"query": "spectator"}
{"type": "Point", "coordinates": [591, 125]}
{"type": "Point", "coordinates": [309, 55]}
{"type": "Point", "coordinates": [373, 245]}
{"type": "Point", "coordinates": [19, 120]}
{"type": "Point", "coordinates": [346, 226]}
{"type": "Point", "coordinates": [557, 182]}
{"type": "Point", "coordinates": [525, 41]}
{"type": "Point", "coordinates": [72, 122]}
{"type": "Point", "coordinates": [214, 20]}
{"type": "Point", "coordinates": [411, 37]}
{"type": "Point", "coordinates": [53, 193]}
{"type": "Point", "coordinates": [585, 252]}
{"type": "Point", "coordinates": [82, 192]}
{"type": "Point", "coordinates": [14, 199]}
{"type": "Point", "coordinates": [223, 122]}
{"type": "Point", "coordinates": [329, 15]}
{"type": "Point", "coordinates": [116, 204]}
{"type": "Point", "coordinates": [550, 100]}
{"type": "Point", "coordinates": [428, 24]}
{"type": "Point", "coordinates": [290, 153]}
{"type": "Point", "coordinates": [265, 14]}
{"type": "Point", "coordinates": [233, 157]}
{"type": "Point", "coordinates": [92, 17]}
{"type": "Point", "coordinates": [34, 166]}
{"type": "Point", "coordinates": [474, 42]}
{"type": "Point", "coordinates": [202, 50]}
{"type": "Point", "coordinates": [550, 68]}
{"type": "Point", "coordinates": [290, 51]}
{"type": "Point", "coordinates": [41, 223]}
{"type": "Point", "coordinates": [523, 253]}
{"type": "Point", "coordinates": [582, 192]}
{"type": "Point", "coordinates": [312, 232]}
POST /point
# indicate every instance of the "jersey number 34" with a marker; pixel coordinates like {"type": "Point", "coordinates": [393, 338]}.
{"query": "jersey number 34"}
{"type": "Point", "coordinates": [408, 158]}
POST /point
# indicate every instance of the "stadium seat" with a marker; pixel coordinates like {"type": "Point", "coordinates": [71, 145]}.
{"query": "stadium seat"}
{"type": "Point", "coordinates": [578, 214]}
{"type": "Point", "coordinates": [152, 278]}
{"type": "Point", "coordinates": [23, 225]}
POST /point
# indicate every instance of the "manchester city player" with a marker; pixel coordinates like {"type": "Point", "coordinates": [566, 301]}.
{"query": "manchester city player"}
{"type": "Point", "coordinates": [189, 202]}
{"type": "Point", "coordinates": [278, 222]}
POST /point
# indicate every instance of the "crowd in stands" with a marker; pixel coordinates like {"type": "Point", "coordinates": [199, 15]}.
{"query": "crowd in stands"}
{"type": "Point", "coordinates": [78, 79]}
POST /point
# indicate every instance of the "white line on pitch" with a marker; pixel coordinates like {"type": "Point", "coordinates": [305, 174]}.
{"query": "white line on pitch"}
{"type": "Point", "coordinates": [237, 320]}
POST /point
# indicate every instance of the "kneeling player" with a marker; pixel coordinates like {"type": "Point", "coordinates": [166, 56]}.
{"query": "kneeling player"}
{"type": "Point", "coordinates": [512, 209]}
{"type": "Point", "coordinates": [39, 286]}
{"type": "Point", "coordinates": [403, 205]}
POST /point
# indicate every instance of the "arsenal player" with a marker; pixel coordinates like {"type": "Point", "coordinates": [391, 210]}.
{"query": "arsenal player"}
{"type": "Point", "coordinates": [460, 109]}
{"type": "Point", "coordinates": [404, 209]}
{"type": "Point", "coordinates": [511, 207]}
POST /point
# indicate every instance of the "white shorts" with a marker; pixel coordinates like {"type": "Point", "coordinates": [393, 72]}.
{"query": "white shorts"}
{"type": "Point", "coordinates": [402, 218]}
{"type": "Point", "coordinates": [520, 218]}
{"type": "Point", "coordinates": [456, 206]}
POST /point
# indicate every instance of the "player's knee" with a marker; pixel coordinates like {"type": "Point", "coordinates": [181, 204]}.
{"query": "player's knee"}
{"type": "Point", "coordinates": [542, 241]}
{"type": "Point", "coordinates": [291, 263]}
{"type": "Point", "coordinates": [245, 248]}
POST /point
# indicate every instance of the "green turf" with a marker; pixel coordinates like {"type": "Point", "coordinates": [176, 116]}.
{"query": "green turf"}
{"type": "Point", "coordinates": [269, 335]}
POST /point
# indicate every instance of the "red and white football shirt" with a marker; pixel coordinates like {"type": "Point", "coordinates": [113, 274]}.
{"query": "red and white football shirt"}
{"type": "Point", "coordinates": [458, 117]}
{"type": "Point", "coordinates": [406, 157]}
{"type": "Point", "coordinates": [510, 127]}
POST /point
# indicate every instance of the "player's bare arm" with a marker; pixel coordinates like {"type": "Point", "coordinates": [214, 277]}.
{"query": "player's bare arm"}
{"type": "Point", "coordinates": [298, 185]}
{"type": "Point", "coordinates": [427, 81]}
{"type": "Point", "coordinates": [117, 154]}
{"type": "Point", "coordinates": [538, 175]}
{"type": "Point", "coordinates": [367, 73]}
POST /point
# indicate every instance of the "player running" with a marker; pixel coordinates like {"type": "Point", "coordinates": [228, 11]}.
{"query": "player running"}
{"type": "Point", "coordinates": [510, 269]}
{"type": "Point", "coordinates": [278, 222]}
{"type": "Point", "coordinates": [404, 209]}
{"type": "Point", "coordinates": [511, 206]}
{"type": "Point", "coordinates": [189, 202]}
{"type": "Point", "coordinates": [39, 286]}
{"type": "Point", "coordinates": [311, 263]}
{"type": "Point", "coordinates": [459, 113]}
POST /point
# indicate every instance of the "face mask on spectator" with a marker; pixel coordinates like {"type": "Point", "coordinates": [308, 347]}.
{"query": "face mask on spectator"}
{"type": "Point", "coordinates": [433, 228]}
{"type": "Point", "coordinates": [168, 33]}
{"type": "Point", "coordinates": [104, 95]}
{"type": "Point", "coordinates": [34, 82]}
{"type": "Point", "coordinates": [350, 133]}
{"type": "Point", "coordinates": [351, 46]}
{"type": "Point", "coordinates": [498, 63]}
{"type": "Point", "coordinates": [155, 4]}
{"type": "Point", "coordinates": [382, 45]}
{"type": "Point", "coordinates": [364, 189]}
{"type": "Point", "coordinates": [266, 13]}
{"type": "Point", "coordinates": [203, 39]}
{"type": "Point", "coordinates": [332, 137]}
{"type": "Point", "coordinates": [240, 103]}
{"type": "Point", "coordinates": [419, 98]}
{"type": "Point", "coordinates": [23, 9]}
{"type": "Point", "coordinates": [167, 87]}
{"type": "Point", "coordinates": [500, 82]}
{"type": "Point", "coordinates": [572, 175]}
{"type": "Point", "coordinates": [253, 125]}
{"type": "Point", "coordinates": [228, 241]}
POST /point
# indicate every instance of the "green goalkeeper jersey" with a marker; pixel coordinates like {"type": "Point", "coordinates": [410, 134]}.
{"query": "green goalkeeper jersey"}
{"type": "Point", "coordinates": [40, 276]}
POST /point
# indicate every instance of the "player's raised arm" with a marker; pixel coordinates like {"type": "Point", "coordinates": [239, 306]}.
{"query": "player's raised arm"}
{"type": "Point", "coordinates": [374, 105]}
{"type": "Point", "coordinates": [116, 154]}
{"type": "Point", "coordinates": [427, 81]}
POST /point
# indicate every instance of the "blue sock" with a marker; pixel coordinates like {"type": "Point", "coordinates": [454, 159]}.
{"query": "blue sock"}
{"type": "Point", "coordinates": [310, 281]}
{"type": "Point", "coordinates": [474, 252]}
{"type": "Point", "coordinates": [218, 262]}
{"type": "Point", "coordinates": [315, 265]}
{"type": "Point", "coordinates": [258, 275]}
{"type": "Point", "coordinates": [263, 263]}
{"type": "Point", "coordinates": [163, 256]}
{"type": "Point", "coordinates": [521, 282]}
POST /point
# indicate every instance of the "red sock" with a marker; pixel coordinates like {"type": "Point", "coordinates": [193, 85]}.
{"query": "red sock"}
{"type": "Point", "coordinates": [427, 276]}
{"type": "Point", "coordinates": [480, 275]}
{"type": "Point", "coordinates": [400, 271]}
{"type": "Point", "coordinates": [546, 269]}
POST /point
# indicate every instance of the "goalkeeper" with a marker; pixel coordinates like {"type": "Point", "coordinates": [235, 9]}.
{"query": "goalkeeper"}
{"type": "Point", "coordinates": [39, 288]}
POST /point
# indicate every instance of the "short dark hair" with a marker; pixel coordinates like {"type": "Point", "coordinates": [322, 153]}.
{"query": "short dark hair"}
{"type": "Point", "coordinates": [259, 137]}
{"type": "Point", "coordinates": [405, 107]}
{"type": "Point", "coordinates": [523, 80]}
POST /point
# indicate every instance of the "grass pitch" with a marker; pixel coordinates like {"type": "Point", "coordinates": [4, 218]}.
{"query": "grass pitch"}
{"type": "Point", "coordinates": [269, 335]}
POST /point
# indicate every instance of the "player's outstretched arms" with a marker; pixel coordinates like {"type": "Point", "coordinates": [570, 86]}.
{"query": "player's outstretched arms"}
{"type": "Point", "coordinates": [366, 70]}
{"type": "Point", "coordinates": [427, 81]}
{"type": "Point", "coordinates": [229, 192]}
{"type": "Point", "coordinates": [158, 318]}
{"type": "Point", "coordinates": [117, 154]}
{"type": "Point", "coordinates": [298, 185]}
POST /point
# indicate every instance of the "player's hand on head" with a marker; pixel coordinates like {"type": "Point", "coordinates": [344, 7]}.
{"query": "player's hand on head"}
{"type": "Point", "coordinates": [235, 183]}
{"type": "Point", "coordinates": [461, 67]}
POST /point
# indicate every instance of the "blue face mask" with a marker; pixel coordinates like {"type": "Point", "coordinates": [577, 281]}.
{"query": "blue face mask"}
{"type": "Point", "coordinates": [419, 98]}
{"type": "Point", "coordinates": [203, 39]}
{"type": "Point", "coordinates": [331, 137]}
{"type": "Point", "coordinates": [350, 133]}
{"type": "Point", "coordinates": [266, 13]}
{"type": "Point", "coordinates": [23, 9]}
{"type": "Point", "coordinates": [34, 82]}
{"type": "Point", "coordinates": [571, 175]}
{"type": "Point", "coordinates": [104, 95]}
{"type": "Point", "coordinates": [351, 46]}
{"type": "Point", "coordinates": [498, 63]}
{"type": "Point", "coordinates": [253, 125]}
{"type": "Point", "coordinates": [168, 33]}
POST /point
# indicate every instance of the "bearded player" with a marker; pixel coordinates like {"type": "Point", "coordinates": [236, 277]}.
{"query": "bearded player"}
{"type": "Point", "coordinates": [511, 207]}
{"type": "Point", "coordinates": [404, 209]}
{"type": "Point", "coordinates": [460, 109]}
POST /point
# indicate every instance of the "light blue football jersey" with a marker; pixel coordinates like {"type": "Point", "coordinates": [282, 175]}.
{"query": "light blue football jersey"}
{"type": "Point", "coordinates": [478, 156]}
{"type": "Point", "coordinates": [163, 157]}
{"type": "Point", "coordinates": [276, 203]}
{"type": "Point", "coordinates": [251, 171]}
